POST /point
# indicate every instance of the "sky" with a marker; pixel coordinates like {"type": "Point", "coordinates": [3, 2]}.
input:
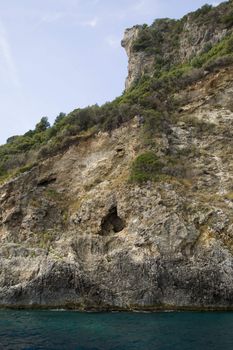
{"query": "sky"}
{"type": "Point", "coordinates": [58, 55]}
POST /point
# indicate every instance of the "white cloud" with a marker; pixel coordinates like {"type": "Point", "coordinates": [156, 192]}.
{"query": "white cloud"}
{"type": "Point", "coordinates": [90, 23]}
{"type": "Point", "coordinates": [6, 58]}
{"type": "Point", "coordinates": [74, 18]}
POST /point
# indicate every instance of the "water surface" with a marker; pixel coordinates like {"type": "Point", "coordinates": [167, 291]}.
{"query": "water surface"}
{"type": "Point", "coordinates": [56, 330]}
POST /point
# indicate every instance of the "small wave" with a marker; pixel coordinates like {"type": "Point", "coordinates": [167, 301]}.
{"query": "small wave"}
{"type": "Point", "coordinates": [56, 310]}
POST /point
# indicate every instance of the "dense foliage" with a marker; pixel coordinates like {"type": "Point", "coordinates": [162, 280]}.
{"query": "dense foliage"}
{"type": "Point", "coordinates": [146, 167]}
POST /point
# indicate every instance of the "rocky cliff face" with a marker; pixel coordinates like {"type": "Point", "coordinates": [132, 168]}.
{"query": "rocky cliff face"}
{"type": "Point", "coordinates": [139, 62]}
{"type": "Point", "coordinates": [76, 233]}
{"type": "Point", "coordinates": [173, 41]}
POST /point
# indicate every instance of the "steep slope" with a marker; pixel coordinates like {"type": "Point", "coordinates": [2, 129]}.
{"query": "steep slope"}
{"type": "Point", "coordinates": [136, 218]}
{"type": "Point", "coordinates": [169, 42]}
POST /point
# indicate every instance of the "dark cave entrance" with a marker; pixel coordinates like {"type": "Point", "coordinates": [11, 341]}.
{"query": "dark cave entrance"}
{"type": "Point", "coordinates": [46, 182]}
{"type": "Point", "coordinates": [111, 223]}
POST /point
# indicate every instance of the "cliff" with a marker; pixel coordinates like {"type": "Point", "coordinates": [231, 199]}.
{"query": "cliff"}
{"type": "Point", "coordinates": [136, 214]}
{"type": "Point", "coordinates": [170, 42]}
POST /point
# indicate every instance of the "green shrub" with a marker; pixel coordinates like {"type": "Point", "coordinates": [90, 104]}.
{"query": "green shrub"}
{"type": "Point", "coordinates": [223, 48]}
{"type": "Point", "coordinates": [204, 10]}
{"type": "Point", "coordinates": [144, 40]}
{"type": "Point", "coordinates": [228, 19]}
{"type": "Point", "coordinates": [42, 125]}
{"type": "Point", "coordinates": [153, 125]}
{"type": "Point", "coordinates": [146, 167]}
{"type": "Point", "coordinates": [25, 168]}
{"type": "Point", "coordinates": [59, 118]}
{"type": "Point", "coordinates": [219, 62]}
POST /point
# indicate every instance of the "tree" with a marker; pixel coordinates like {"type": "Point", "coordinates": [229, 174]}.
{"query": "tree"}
{"type": "Point", "coordinates": [59, 118]}
{"type": "Point", "coordinates": [42, 125]}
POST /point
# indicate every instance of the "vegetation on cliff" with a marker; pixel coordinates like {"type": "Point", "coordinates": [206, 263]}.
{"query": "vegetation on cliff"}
{"type": "Point", "coordinates": [136, 217]}
{"type": "Point", "coordinates": [152, 96]}
{"type": "Point", "coordinates": [146, 167]}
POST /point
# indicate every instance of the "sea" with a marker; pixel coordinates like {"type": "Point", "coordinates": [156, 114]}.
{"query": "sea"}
{"type": "Point", "coordinates": [70, 330]}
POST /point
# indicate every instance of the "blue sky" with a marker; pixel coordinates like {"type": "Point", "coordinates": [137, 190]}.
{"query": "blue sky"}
{"type": "Point", "coordinates": [57, 55]}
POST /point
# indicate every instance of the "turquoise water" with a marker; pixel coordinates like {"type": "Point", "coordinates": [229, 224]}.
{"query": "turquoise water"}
{"type": "Point", "coordinates": [55, 330]}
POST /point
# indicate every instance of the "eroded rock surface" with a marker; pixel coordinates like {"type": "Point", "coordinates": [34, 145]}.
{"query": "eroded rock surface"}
{"type": "Point", "coordinates": [75, 233]}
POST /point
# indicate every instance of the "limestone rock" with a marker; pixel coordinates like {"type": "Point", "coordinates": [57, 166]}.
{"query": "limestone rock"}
{"type": "Point", "coordinates": [177, 41]}
{"type": "Point", "coordinates": [75, 233]}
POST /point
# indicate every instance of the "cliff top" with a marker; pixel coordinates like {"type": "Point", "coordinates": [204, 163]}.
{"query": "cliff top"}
{"type": "Point", "coordinates": [168, 42]}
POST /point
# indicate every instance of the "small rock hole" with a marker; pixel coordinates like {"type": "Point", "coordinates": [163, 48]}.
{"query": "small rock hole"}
{"type": "Point", "coordinates": [111, 223]}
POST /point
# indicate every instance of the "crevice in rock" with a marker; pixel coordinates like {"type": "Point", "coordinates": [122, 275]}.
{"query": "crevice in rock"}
{"type": "Point", "coordinates": [111, 223]}
{"type": "Point", "coordinates": [46, 182]}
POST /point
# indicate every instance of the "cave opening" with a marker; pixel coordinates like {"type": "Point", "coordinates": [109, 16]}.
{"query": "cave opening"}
{"type": "Point", "coordinates": [111, 223]}
{"type": "Point", "coordinates": [46, 182]}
